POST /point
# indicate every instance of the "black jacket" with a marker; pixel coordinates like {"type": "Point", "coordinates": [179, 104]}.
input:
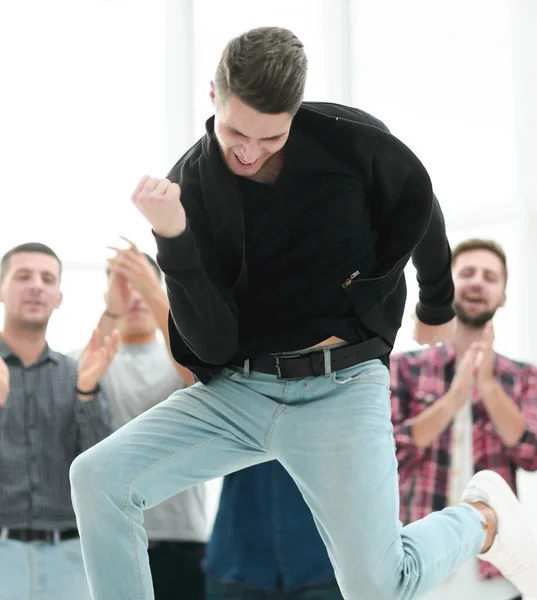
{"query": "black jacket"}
{"type": "Point", "coordinates": [205, 266]}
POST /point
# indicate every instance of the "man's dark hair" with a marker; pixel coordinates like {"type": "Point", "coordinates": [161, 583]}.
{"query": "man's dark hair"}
{"type": "Point", "coordinates": [36, 247]}
{"type": "Point", "coordinates": [480, 244]}
{"type": "Point", "coordinates": [265, 68]}
{"type": "Point", "coordinates": [151, 261]}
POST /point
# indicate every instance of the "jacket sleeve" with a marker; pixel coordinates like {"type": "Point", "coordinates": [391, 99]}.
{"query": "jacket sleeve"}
{"type": "Point", "coordinates": [432, 259]}
{"type": "Point", "coordinates": [524, 454]}
{"type": "Point", "coordinates": [408, 454]}
{"type": "Point", "coordinates": [204, 315]}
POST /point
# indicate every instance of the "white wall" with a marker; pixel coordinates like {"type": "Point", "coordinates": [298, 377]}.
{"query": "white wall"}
{"type": "Point", "coordinates": [104, 91]}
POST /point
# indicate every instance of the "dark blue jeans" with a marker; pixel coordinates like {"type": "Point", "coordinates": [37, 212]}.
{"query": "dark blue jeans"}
{"type": "Point", "coordinates": [216, 590]}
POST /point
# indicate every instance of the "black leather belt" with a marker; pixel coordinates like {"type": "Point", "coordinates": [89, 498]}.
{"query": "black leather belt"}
{"type": "Point", "coordinates": [40, 535]}
{"type": "Point", "coordinates": [299, 366]}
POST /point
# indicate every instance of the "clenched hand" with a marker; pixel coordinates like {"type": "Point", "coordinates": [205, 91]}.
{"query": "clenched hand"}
{"type": "Point", "coordinates": [159, 200]}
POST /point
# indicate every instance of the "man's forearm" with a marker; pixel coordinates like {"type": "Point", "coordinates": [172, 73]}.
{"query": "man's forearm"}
{"type": "Point", "coordinates": [432, 259]}
{"type": "Point", "coordinates": [429, 424]}
{"type": "Point", "coordinates": [107, 324]}
{"type": "Point", "coordinates": [507, 418]}
{"type": "Point", "coordinates": [94, 420]}
{"type": "Point", "coordinates": [204, 315]}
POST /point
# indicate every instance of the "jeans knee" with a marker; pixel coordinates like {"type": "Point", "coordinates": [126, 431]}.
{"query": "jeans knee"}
{"type": "Point", "coordinates": [87, 473]}
{"type": "Point", "coordinates": [361, 585]}
{"type": "Point", "coordinates": [365, 592]}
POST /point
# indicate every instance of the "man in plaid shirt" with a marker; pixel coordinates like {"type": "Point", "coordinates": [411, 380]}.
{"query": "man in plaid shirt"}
{"type": "Point", "coordinates": [462, 408]}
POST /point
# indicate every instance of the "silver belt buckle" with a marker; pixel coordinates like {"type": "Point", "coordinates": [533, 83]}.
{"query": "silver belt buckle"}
{"type": "Point", "coordinates": [279, 369]}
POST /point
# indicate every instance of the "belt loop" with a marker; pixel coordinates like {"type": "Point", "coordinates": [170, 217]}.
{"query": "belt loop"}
{"type": "Point", "coordinates": [56, 537]}
{"type": "Point", "coordinates": [327, 362]}
{"type": "Point", "coordinates": [4, 532]}
{"type": "Point", "coordinates": [246, 368]}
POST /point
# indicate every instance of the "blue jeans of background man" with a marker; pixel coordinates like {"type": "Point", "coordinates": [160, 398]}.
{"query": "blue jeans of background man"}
{"type": "Point", "coordinates": [334, 436]}
{"type": "Point", "coordinates": [42, 571]}
{"type": "Point", "coordinates": [218, 590]}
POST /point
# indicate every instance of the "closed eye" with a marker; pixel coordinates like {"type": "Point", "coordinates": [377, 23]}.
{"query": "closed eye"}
{"type": "Point", "coordinates": [274, 138]}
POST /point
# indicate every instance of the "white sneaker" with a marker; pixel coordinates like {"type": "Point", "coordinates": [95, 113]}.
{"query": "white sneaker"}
{"type": "Point", "coordinates": [514, 549]}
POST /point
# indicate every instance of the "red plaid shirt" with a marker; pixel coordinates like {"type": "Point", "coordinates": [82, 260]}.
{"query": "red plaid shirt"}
{"type": "Point", "coordinates": [417, 380]}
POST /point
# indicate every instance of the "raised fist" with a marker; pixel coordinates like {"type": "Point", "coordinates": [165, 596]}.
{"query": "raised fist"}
{"type": "Point", "coordinates": [159, 200]}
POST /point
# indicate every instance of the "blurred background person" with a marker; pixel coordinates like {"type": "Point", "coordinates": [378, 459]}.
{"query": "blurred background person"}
{"type": "Point", "coordinates": [265, 544]}
{"type": "Point", "coordinates": [50, 411]}
{"type": "Point", "coordinates": [141, 375]}
{"type": "Point", "coordinates": [461, 408]}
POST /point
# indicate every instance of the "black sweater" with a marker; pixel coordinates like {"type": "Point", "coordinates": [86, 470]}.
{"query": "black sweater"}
{"type": "Point", "coordinates": [206, 267]}
{"type": "Point", "coordinates": [305, 234]}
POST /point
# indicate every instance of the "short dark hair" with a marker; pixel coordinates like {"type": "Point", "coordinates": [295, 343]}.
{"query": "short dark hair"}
{"type": "Point", "coordinates": [480, 244]}
{"type": "Point", "coordinates": [265, 68]}
{"type": "Point", "coordinates": [151, 261]}
{"type": "Point", "coordinates": [36, 247]}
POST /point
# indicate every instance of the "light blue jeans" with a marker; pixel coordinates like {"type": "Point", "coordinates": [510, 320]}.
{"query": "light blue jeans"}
{"type": "Point", "coordinates": [334, 436]}
{"type": "Point", "coordinates": [39, 571]}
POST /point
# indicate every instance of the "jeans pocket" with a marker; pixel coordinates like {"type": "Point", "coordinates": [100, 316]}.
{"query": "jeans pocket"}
{"type": "Point", "coordinates": [336, 378]}
{"type": "Point", "coordinates": [235, 374]}
{"type": "Point", "coordinates": [372, 371]}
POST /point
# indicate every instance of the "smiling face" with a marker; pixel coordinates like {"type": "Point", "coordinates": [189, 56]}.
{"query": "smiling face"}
{"type": "Point", "coordinates": [30, 290]}
{"type": "Point", "coordinates": [248, 138]}
{"type": "Point", "coordinates": [479, 278]}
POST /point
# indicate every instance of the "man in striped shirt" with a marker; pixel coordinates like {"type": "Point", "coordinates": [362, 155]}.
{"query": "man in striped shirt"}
{"type": "Point", "coordinates": [50, 411]}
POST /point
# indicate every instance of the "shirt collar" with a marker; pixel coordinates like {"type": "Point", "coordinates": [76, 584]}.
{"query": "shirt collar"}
{"type": "Point", "coordinates": [447, 353]}
{"type": "Point", "coordinates": [48, 354]}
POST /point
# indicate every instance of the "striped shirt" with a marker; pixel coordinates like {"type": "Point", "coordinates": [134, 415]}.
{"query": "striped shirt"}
{"type": "Point", "coordinates": [43, 427]}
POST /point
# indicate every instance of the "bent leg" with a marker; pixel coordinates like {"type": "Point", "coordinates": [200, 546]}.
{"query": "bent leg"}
{"type": "Point", "coordinates": [338, 446]}
{"type": "Point", "coordinates": [198, 434]}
